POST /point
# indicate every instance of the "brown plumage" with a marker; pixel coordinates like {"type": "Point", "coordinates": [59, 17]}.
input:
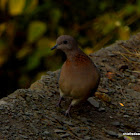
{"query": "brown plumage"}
{"type": "Point", "coordinates": [79, 77]}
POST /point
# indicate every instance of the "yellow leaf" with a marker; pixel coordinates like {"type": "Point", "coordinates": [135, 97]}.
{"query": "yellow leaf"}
{"type": "Point", "coordinates": [124, 33]}
{"type": "Point", "coordinates": [121, 104]}
{"type": "Point", "coordinates": [30, 6]}
{"type": "Point", "coordinates": [16, 7]}
{"type": "Point", "coordinates": [36, 30]}
{"type": "Point", "coordinates": [128, 138]}
{"type": "Point", "coordinates": [88, 50]}
{"type": "Point", "coordinates": [2, 28]}
{"type": "Point", "coordinates": [3, 4]}
{"type": "Point", "coordinates": [26, 50]}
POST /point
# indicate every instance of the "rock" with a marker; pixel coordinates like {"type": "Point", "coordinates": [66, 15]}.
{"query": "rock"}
{"type": "Point", "coordinates": [138, 130]}
{"type": "Point", "coordinates": [64, 135]}
{"type": "Point", "coordinates": [68, 122]}
{"type": "Point", "coordinates": [37, 86]}
{"type": "Point", "coordinates": [32, 114]}
{"type": "Point", "coordinates": [87, 138]}
{"type": "Point", "coordinates": [133, 78]}
{"type": "Point", "coordinates": [116, 123]}
{"type": "Point", "coordinates": [59, 131]}
{"type": "Point", "coordinates": [122, 67]}
{"type": "Point", "coordinates": [46, 133]}
{"type": "Point", "coordinates": [23, 136]}
{"type": "Point", "coordinates": [50, 73]}
{"type": "Point", "coordinates": [103, 90]}
{"type": "Point", "coordinates": [112, 54]}
{"type": "Point", "coordinates": [111, 133]}
{"type": "Point", "coordinates": [126, 116]}
{"type": "Point", "coordinates": [103, 96]}
{"type": "Point", "coordinates": [93, 102]}
{"type": "Point", "coordinates": [104, 60]}
{"type": "Point", "coordinates": [121, 130]}
{"type": "Point", "coordinates": [7, 127]}
{"type": "Point", "coordinates": [101, 109]}
{"type": "Point", "coordinates": [129, 91]}
{"type": "Point", "coordinates": [34, 128]}
{"type": "Point", "coordinates": [3, 102]}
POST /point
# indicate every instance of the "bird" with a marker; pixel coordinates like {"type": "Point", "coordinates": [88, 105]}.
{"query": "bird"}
{"type": "Point", "coordinates": [79, 77]}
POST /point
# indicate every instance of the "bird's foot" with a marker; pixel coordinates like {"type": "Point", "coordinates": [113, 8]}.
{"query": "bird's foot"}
{"type": "Point", "coordinates": [67, 113]}
{"type": "Point", "coordinates": [58, 105]}
{"type": "Point", "coordinates": [59, 102]}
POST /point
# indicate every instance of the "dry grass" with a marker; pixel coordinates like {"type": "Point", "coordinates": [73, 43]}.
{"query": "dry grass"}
{"type": "Point", "coordinates": [128, 54]}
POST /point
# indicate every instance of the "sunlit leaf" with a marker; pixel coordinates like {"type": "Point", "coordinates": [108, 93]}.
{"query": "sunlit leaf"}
{"type": "Point", "coordinates": [103, 96]}
{"type": "Point", "coordinates": [55, 14]}
{"type": "Point", "coordinates": [36, 30]}
{"type": "Point", "coordinates": [129, 9]}
{"type": "Point", "coordinates": [2, 45]}
{"type": "Point", "coordinates": [109, 20]}
{"type": "Point", "coordinates": [61, 31]}
{"type": "Point", "coordinates": [44, 46]}
{"type": "Point", "coordinates": [128, 138]}
{"type": "Point", "coordinates": [121, 104]}
{"type": "Point", "coordinates": [88, 50]}
{"type": "Point", "coordinates": [124, 33]}
{"type": "Point", "coordinates": [33, 61]}
{"type": "Point", "coordinates": [3, 49]}
{"type": "Point", "coordinates": [43, 49]}
{"type": "Point", "coordinates": [30, 5]}
{"type": "Point", "coordinates": [3, 4]}
{"type": "Point", "coordinates": [110, 75]}
{"type": "Point", "coordinates": [23, 52]}
{"type": "Point", "coordinates": [2, 28]}
{"type": "Point", "coordinates": [103, 5]}
{"type": "Point", "coordinates": [16, 7]}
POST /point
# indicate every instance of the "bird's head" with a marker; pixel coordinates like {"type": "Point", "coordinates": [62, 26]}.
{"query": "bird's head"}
{"type": "Point", "coordinates": [65, 43]}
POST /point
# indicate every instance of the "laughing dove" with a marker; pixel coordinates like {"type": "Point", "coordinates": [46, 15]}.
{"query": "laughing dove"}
{"type": "Point", "coordinates": [79, 77]}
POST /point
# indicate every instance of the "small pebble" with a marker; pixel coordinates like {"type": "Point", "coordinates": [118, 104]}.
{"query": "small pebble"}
{"type": "Point", "coordinates": [87, 138]}
{"type": "Point", "coordinates": [126, 116]}
{"type": "Point", "coordinates": [46, 133]}
{"type": "Point", "coordinates": [121, 130]}
{"type": "Point", "coordinates": [111, 133]}
{"type": "Point", "coordinates": [59, 131]}
{"type": "Point", "coordinates": [23, 136]}
{"type": "Point", "coordinates": [116, 123]}
{"type": "Point", "coordinates": [69, 123]}
{"type": "Point", "coordinates": [64, 135]}
{"type": "Point", "coordinates": [101, 109]}
{"type": "Point", "coordinates": [94, 102]}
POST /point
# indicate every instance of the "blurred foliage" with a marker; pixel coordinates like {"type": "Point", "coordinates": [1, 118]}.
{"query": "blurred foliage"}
{"type": "Point", "coordinates": [29, 28]}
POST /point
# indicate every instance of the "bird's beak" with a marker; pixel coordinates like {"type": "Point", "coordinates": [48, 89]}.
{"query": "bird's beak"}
{"type": "Point", "coordinates": [54, 47]}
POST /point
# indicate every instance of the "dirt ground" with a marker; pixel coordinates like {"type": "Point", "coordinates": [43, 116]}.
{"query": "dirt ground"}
{"type": "Point", "coordinates": [115, 109]}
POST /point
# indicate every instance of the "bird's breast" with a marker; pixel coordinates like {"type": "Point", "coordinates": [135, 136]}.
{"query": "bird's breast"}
{"type": "Point", "coordinates": [76, 74]}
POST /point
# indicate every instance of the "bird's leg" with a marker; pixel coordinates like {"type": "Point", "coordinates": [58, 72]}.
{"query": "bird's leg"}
{"type": "Point", "coordinates": [73, 103]}
{"type": "Point", "coordinates": [59, 102]}
{"type": "Point", "coordinates": [67, 113]}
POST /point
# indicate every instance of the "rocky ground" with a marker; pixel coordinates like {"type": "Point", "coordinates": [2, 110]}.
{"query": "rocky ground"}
{"type": "Point", "coordinates": [115, 109]}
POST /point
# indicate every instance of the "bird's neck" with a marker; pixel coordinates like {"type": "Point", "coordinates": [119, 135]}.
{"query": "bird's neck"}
{"type": "Point", "coordinates": [77, 57]}
{"type": "Point", "coordinates": [72, 54]}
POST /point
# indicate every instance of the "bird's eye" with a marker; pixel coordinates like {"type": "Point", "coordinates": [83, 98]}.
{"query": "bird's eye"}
{"type": "Point", "coordinates": [65, 41]}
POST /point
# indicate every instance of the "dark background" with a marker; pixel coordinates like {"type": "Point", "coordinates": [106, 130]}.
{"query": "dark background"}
{"type": "Point", "coordinates": [29, 28]}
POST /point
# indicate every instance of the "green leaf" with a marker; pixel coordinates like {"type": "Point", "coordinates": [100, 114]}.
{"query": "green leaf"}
{"type": "Point", "coordinates": [36, 30]}
{"type": "Point", "coordinates": [30, 6]}
{"type": "Point", "coordinates": [129, 9]}
{"type": "Point", "coordinates": [44, 46]}
{"type": "Point", "coordinates": [23, 52]}
{"type": "Point", "coordinates": [16, 7]}
{"type": "Point", "coordinates": [33, 61]}
{"type": "Point", "coordinates": [56, 15]}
